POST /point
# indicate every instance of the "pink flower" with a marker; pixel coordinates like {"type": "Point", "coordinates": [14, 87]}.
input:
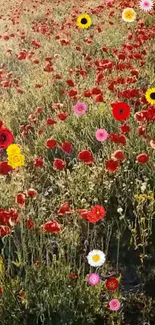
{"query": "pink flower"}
{"type": "Point", "coordinates": [94, 279]}
{"type": "Point", "coordinates": [80, 108]}
{"type": "Point", "coordinates": [146, 5]}
{"type": "Point", "coordinates": [114, 304]}
{"type": "Point", "coordinates": [101, 135]}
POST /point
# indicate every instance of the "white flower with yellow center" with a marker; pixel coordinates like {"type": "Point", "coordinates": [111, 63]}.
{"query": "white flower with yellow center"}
{"type": "Point", "coordinates": [128, 15]}
{"type": "Point", "coordinates": [96, 257]}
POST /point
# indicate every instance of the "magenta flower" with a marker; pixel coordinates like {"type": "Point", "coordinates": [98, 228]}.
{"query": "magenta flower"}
{"type": "Point", "coordinates": [114, 304]}
{"type": "Point", "coordinates": [94, 279]}
{"type": "Point", "coordinates": [101, 135]}
{"type": "Point", "coordinates": [80, 108]}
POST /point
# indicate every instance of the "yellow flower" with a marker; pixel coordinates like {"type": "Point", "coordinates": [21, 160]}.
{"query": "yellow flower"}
{"type": "Point", "coordinates": [12, 149]}
{"type": "Point", "coordinates": [150, 96]}
{"type": "Point", "coordinates": [128, 15]}
{"type": "Point", "coordinates": [16, 160]}
{"type": "Point", "coordinates": [84, 21]}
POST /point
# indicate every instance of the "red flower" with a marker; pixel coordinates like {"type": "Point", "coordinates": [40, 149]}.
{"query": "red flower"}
{"type": "Point", "coordinates": [62, 116]}
{"type": "Point", "coordinates": [99, 99]}
{"type": "Point", "coordinates": [120, 111]}
{"type": "Point", "coordinates": [20, 199]}
{"type": "Point", "coordinates": [97, 213]}
{"type": "Point", "coordinates": [125, 128]}
{"type": "Point", "coordinates": [70, 82]}
{"type": "Point", "coordinates": [64, 208]}
{"type": "Point", "coordinates": [67, 147]}
{"type": "Point", "coordinates": [111, 284]}
{"type": "Point", "coordinates": [1, 290]}
{"type": "Point", "coordinates": [86, 156]}
{"type": "Point", "coordinates": [83, 213]}
{"type": "Point", "coordinates": [59, 164]}
{"type": "Point", "coordinates": [5, 169]}
{"type": "Point", "coordinates": [38, 162]}
{"type": "Point", "coordinates": [51, 143]}
{"type": "Point", "coordinates": [142, 158]}
{"type": "Point", "coordinates": [50, 121]}
{"type": "Point", "coordinates": [112, 165]}
{"type": "Point", "coordinates": [119, 155]}
{"type": "Point", "coordinates": [29, 223]}
{"type": "Point", "coordinates": [31, 193]}
{"type": "Point", "coordinates": [4, 230]}
{"type": "Point", "coordinates": [51, 226]}
{"type": "Point", "coordinates": [6, 138]}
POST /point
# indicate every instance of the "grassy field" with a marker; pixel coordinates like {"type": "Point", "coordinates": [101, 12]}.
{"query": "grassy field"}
{"type": "Point", "coordinates": [75, 193]}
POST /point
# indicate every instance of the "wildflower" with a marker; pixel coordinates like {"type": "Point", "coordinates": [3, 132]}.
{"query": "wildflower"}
{"type": "Point", "coordinates": [111, 284]}
{"type": "Point", "coordinates": [51, 143]}
{"type": "Point", "coordinates": [86, 156]}
{"type": "Point", "coordinates": [67, 147]}
{"type": "Point", "coordinates": [6, 138]}
{"type": "Point", "coordinates": [142, 158]}
{"type": "Point", "coordinates": [13, 149]}
{"type": "Point", "coordinates": [112, 165]}
{"type": "Point", "coordinates": [97, 213]}
{"type": "Point", "coordinates": [64, 208]}
{"type": "Point", "coordinates": [59, 164]}
{"type": "Point", "coordinates": [119, 155]}
{"type": "Point", "coordinates": [31, 193]}
{"type": "Point", "coordinates": [84, 21]}
{"type": "Point", "coordinates": [120, 111]}
{"type": "Point", "coordinates": [38, 162]}
{"type": "Point", "coordinates": [128, 15]}
{"type": "Point", "coordinates": [94, 279]}
{"type": "Point", "coordinates": [5, 169]}
{"type": "Point", "coordinates": [20, 199]}
{"type": "Point", "coordinates": [150, 96]}
{"type": "Point", "coordinates": [146, 5]}
{"type": "Point", "coordinates": [51, 226]}
{"type": "Point", "coordinates": [101, 135]}
{"type": "Point", "coordinates": [114, 304]}
{"type": "Point", "coordinates": [80, 108]}
{"type": "Point", "coordinates": [29, 223]}
{"type": "Point", "coordinates": [96, 257]}
{"type": "Point", "coordinates": [73, 276]}
{"type": "Point", "coordinates": [4, 231]}
{"type": "Point", "coordinates": [16, 160]}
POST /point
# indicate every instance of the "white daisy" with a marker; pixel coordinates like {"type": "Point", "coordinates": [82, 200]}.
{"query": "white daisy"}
{"type": "Point", "coordinates": [146, 5]}
{"type": "Point", "coordinates": [96, 257]}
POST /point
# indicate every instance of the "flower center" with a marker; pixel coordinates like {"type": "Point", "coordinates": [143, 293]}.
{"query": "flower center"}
{"type": "Point", "coordinates": [96, 258]}
{"type": "Point", "coordinates": [84, 21]}
{"type": "Point", "coordinates": [2, 138]}
{"type": "Point", "coordinates": [16, 159]}
{"type": "Point", "coordinates": [152, 95]}
{"type": "Point", "coordinates": [80, 108]}
{"type": "Point", "coordinates": [121, 111]}
{"type": "Point", "coordinates": [97, 212]}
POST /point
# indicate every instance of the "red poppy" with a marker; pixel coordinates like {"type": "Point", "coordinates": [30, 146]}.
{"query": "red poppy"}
{"type": "Point", "coordinates": [20, 199]}
{"type": "Point", "coordinates": [62, 116]}
{"type": "Point", "coordinates": [97, 213]}
{"type": "Point", "coordinates": [86, 156]}
{"type": "Point", "coordinates": [125, 128]}
{"type": "Point", "coordinates": [29, 223]}
{"type": "Point", "coordinates": [50, 121]}
{"type": "Point", "coordinates": [51, 226]}
{"type": "Point", "coordinates": [5, 169]}
{"type": "Point", "coordinates": [142, 158]}
{"type": "Point", "coordinates": [59, 164]}
{"type": "Point", "coordinates": [73, 276]}
{"type": "Point", "coordinates": [119, 155]}
{"type": "Point", "coordinates": [31, 193]}
{"type": "Point", "coordinates": [67, 146]}
{"type": "Point", "coordinates": [112, 165]}
{"type": "Point", "coordinates": [51, 143]}
{"type": "Point", "coordinates": [111, 284]}
{"type": "Point", "coordinates": [38, 162]}
{"type": "Point", "coordinates": [83, 213]}
{"type": "Point", "coordinates": [64, 208]}
{"type": "Point", "coordinates": [6, 138]}
{"type": "Point", "coordinates": [4, 230]}
{"type": "Point", "coordinates": [120, 111]}
{"type": "Point", "coordinates": [1, 290]}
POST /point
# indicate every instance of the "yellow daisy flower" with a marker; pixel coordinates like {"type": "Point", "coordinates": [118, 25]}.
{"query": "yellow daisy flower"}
{"type": "Point", "coordinates": [16, 160]}
{"type": "Point", "coordinates": [12, 149]}
{"type": "Point", "coordinates": [128, 15]}
{"type": "Point", "coordinates": [84, 21]}
{"type": "Point", "coordinates": [150, 96]}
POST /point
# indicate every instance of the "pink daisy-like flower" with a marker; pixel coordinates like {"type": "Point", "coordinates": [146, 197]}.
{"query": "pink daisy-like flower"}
{"type": "Point", "coordinates": [146, 5]}
{"type": "Point", "coordinates": [94, 279]}
{"type": "Point", "coordinates": [101, 135]}
{"type": "Point", "coordinates": [114, 304]}
{"type": "Point", "coordinates": [80, 108]}
{"type": "Point", "coordinates": [108, 1]}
